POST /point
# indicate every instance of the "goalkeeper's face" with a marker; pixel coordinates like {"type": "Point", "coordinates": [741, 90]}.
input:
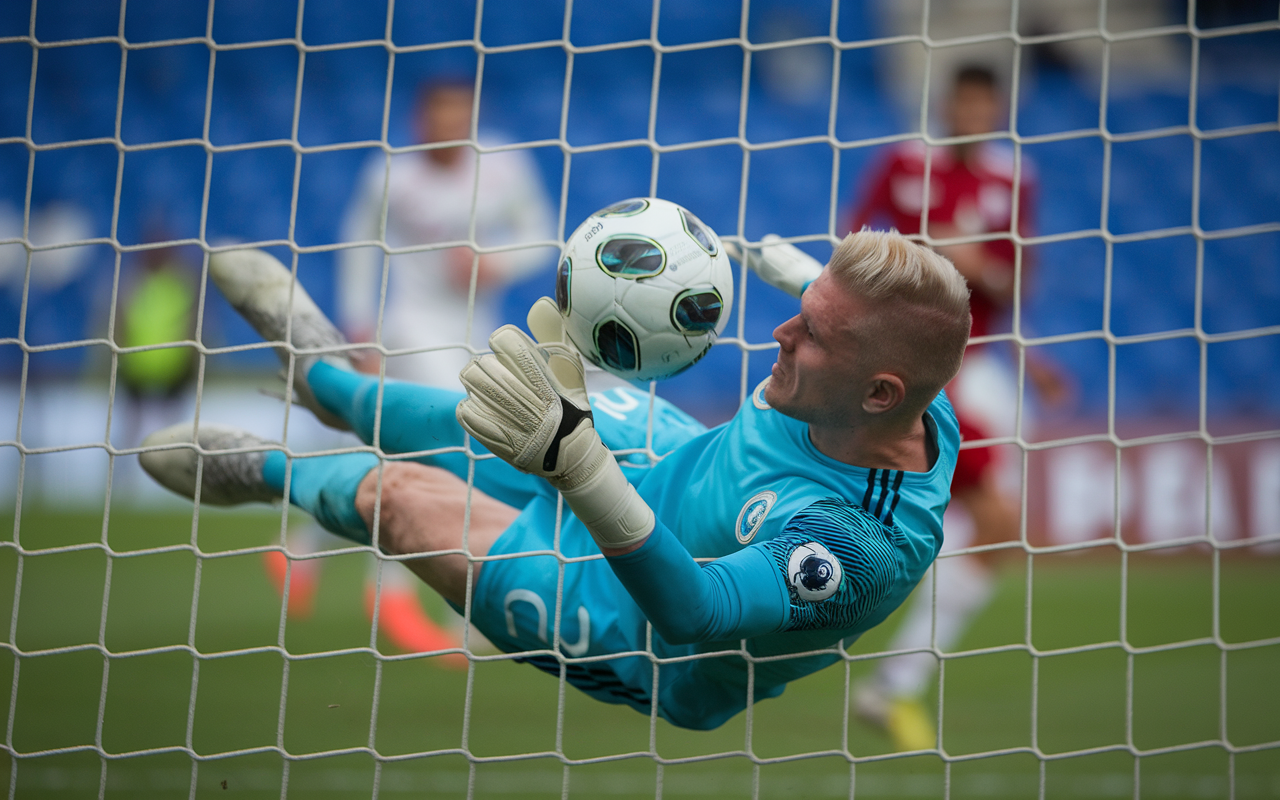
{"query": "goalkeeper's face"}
{"type": "Point", "coordinates": [819, 376]}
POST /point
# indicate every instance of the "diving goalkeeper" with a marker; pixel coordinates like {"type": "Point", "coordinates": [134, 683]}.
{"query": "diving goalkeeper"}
{"type": "Point", "coordinates": [819, 504]}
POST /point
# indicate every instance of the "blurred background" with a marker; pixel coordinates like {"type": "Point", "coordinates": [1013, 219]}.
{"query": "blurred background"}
{"type": "Point", "coordinates": [1120, 211]}
{"type": "Point", "coordinates": [1149, 186]}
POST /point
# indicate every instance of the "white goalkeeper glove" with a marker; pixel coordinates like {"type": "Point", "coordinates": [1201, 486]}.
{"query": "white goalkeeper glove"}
{"type": "Point", "coordinates": [527, 402]}
{"type": "Point", "coordinates": [779, 264]}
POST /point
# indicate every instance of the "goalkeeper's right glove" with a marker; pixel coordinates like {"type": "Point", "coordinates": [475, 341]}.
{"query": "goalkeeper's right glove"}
{"type": "Point", "coordinates": [527, 403]}
{"type": "Point", "coordinates": [779, 264]}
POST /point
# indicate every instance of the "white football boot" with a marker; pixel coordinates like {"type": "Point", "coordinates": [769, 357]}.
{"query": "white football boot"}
{"type": "Point", "coordinates": [228, 479]}
{"type": "Point", "coordinates": [262, 290]}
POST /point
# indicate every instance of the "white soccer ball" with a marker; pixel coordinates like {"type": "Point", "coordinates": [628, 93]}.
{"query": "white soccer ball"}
{"type": "Point", "coordinates": [644, 288]}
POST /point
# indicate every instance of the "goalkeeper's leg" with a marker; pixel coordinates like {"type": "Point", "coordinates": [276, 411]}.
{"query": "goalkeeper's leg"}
{"type": "Point", "coordinates": [430, 514]}
{"type": "Point", "coordinates": [416, 419]}
{"type": "Point", "coordinates": [413, 418]}
{"type": "Point", "coordinates": [421, 510]}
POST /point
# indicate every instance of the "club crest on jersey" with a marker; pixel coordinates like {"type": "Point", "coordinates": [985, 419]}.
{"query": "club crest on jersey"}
{"type": "Point", "coordinates": [757, 396]}
{"type": "Point", "coordinates": [752, 515]}
{"type": "Point", "coordinates": [814, 572]}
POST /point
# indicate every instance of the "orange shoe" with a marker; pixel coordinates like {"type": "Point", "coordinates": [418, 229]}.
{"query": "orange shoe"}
{"type": "Point", "coordinates": [402, 620]}
{"type": "Point", "coordinates": [302, 581]}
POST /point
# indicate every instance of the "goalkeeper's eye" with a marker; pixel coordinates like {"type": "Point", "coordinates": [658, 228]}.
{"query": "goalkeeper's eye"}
{"type": "Point", "coordinates": [808, 329]}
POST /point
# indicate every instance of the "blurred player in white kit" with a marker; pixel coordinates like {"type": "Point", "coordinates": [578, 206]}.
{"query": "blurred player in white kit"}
{"type": "Point", "coordinates": [971, 190]}
{"type": "Point", "coordinates": [432, 196]}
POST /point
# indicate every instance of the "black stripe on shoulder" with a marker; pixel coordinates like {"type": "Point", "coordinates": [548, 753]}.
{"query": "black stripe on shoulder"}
{"type": "Point", "coordinates": [884, 492]}
{"type": "Point", "coordinates": [897, 484]}
{"type": "Point", "coordinates": [871, 486]}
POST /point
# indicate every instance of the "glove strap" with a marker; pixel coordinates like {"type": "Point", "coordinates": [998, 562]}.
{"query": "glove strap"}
{"type": "Point", "coordinates": [601, 496]}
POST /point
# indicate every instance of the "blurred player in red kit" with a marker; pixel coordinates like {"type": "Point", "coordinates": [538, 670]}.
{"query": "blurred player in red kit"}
{"type": "Point", "coordinates": [974, 188]}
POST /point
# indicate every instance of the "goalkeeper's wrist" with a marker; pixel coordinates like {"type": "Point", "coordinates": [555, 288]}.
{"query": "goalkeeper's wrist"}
{"type": "Point", "coordinates": [605, 502]}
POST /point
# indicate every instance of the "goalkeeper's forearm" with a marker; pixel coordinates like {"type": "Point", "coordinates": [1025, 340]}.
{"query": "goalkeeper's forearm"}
{"type": "Point", "coordinates": [735, 597]}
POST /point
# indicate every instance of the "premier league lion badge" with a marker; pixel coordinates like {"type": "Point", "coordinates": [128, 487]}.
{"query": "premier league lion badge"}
{"type": "Point", "coordinates": [814, 572]}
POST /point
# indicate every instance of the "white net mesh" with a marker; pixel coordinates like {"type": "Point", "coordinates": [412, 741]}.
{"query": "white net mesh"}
{"type": "Point", "coordinates": [146, 653]}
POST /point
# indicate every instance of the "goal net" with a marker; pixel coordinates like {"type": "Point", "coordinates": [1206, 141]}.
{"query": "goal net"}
{"type": "Point", "coordinates": [1118, 638]}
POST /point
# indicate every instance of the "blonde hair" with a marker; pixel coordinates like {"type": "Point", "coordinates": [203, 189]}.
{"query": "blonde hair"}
{"type": "Point", "coordinates": [919, 302]}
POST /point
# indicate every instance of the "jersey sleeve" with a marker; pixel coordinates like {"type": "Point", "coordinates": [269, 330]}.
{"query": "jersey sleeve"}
{"type": "Point", "coordinates": [837, 562]}
{"type": "Point", "coordinates": [735, 597]}
{"type": "Point", "coordinates": [830, 568]}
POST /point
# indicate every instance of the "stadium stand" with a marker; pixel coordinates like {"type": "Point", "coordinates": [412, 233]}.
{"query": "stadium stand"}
{"type": "Point", "coordinates": [789, 189]}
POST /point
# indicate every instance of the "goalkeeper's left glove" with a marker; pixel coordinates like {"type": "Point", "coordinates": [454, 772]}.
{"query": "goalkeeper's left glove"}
{"type": "Point", "coordinates": [780, 264]}
{"type": "Point", "coordinates": [527, 402]}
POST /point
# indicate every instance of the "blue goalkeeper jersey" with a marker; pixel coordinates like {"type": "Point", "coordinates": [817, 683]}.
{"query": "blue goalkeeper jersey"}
{"type": "Point", "coordinates": [742, 482]}
{"type": "Point", "coordinates": [803, 552]}
{"type": "Point", "coordinates": [757, 495]}
{"type": "Point", "coordinates": [839, 546]}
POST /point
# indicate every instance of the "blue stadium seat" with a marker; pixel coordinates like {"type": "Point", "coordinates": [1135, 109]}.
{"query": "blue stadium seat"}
{"type": "Point", "coordinates": [788, 191]}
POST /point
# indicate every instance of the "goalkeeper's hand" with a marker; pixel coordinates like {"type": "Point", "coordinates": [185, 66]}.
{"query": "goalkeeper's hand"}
{"type": "Point", "coordinates": [779, 264]}
{"type": "Point", "coordinates": [527, 402]}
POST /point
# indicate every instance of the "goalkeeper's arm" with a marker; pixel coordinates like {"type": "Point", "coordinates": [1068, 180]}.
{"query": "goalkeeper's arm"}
{"type": "Point", "coordinates": [735, 597]}
{"type": "Point", "coordinates": [527, 404]}
{"type": "Point", "coordinates": [832, 567]}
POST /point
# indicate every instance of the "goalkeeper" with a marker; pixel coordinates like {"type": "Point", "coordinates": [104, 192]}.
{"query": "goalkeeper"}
{"type": "Point", "coordinates": [819, 504]}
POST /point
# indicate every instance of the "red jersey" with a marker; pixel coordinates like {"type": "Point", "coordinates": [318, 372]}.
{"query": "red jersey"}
{"type": "Point", "coordinates": [974, 196]}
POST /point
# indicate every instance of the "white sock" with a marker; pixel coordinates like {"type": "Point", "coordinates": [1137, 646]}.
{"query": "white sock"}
{"type": "Point", "coordinates": [964, 587]}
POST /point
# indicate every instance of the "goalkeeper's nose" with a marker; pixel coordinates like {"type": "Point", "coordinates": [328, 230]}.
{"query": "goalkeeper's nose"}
{"type": "Point", "coordinates": [788, 332]}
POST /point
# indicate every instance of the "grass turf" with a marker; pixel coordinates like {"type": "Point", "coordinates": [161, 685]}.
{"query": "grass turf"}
{"type": "Point", "coordinates": [1078, 699]}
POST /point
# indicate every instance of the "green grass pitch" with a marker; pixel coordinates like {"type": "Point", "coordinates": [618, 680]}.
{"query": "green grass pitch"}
{"type": "Point", "coordinates": [1079, 699]}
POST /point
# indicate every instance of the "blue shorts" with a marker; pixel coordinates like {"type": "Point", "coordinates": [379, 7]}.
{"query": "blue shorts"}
{"type": "Point", "coordinates": [525, 593]}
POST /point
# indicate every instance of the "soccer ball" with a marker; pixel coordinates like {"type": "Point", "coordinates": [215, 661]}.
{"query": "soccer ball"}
{"type": "Point", "coordinates": [644, 288]}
